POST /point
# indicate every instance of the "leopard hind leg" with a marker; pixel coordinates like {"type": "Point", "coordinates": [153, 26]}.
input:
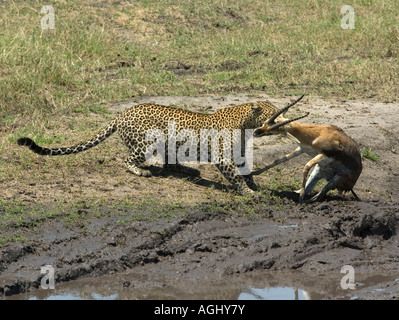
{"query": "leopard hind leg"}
{"type": "Point", "coordinates": [134, 164]}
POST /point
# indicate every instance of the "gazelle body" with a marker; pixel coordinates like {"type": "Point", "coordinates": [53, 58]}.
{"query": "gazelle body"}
{"type": "Point", "coordinates": [335, 155]}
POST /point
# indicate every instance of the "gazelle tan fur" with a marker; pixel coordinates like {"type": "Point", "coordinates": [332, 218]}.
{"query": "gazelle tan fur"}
{"type": "Point", "coordinates": [336, 156]}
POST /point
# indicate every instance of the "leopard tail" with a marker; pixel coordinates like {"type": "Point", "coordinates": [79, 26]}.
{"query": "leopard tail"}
{"type": "Point", "coordinates": [101, 136]}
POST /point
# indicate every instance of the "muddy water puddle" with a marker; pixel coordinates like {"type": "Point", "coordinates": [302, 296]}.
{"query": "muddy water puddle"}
{"type": "Point", "coordinates": [215, 256]}
{"type": "Point", "coordinates": [260, 286]}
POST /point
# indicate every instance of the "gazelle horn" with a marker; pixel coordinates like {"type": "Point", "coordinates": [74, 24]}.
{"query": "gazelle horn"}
{"type": "Point", "coordinates": [280, 124]}
{"type": "Point", "coordinates": [274, 117]}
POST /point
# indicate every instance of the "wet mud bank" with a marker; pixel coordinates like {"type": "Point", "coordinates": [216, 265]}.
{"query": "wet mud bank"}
{"type": "Point", "coordinates": [210, 243]}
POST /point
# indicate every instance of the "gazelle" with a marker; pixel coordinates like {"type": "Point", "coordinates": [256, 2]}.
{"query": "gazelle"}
{"type": "Point", "coordinates": [336, 156]}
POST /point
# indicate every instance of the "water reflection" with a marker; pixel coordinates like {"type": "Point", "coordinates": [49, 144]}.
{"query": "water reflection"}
{"type": "Point", "coordinates": [258, 286]}
{"type": "Point", "coordinates": [76, 296]}
{"type": "Point", "coordinates": [277, 293]}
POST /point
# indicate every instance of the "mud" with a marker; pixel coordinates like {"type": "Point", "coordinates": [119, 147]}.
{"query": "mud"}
{"type": "Point", "coordinates": [222, 246]}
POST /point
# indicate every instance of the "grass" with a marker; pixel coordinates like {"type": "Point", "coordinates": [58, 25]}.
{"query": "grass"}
{"type": "Point", "coordinates": [102, 52]}
{"type": "Point", "coordinates": [108, 52]}
{"type": "Point", "coordinates": [279, 180]}
{"type": "Point", "coordinates": [19, 220]}
{"type": "Point", "coordinates": [368, 154]}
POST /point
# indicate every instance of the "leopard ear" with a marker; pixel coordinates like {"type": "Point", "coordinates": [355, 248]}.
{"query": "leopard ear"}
{"type": "Point", "coordinates": [255, 106]}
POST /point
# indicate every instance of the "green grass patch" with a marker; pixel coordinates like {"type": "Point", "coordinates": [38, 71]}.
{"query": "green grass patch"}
{"type": "Point", "coordinates": [110, 51]}
{"type": "Point", "coordinates": [368, 154]}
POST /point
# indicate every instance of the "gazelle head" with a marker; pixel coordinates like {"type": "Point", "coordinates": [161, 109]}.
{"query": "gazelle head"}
{"type": "Point", "coordinates": [275, 124]}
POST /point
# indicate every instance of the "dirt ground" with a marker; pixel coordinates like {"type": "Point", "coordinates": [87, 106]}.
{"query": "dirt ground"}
{"type": "Point", "coordinates": [216, 245]}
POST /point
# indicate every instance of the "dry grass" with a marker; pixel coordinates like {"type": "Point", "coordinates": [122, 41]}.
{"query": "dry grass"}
{"type": "Point", "coordinates": [100, 51]}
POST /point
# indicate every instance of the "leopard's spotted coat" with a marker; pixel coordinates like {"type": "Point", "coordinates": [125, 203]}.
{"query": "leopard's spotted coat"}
{"type": "Point", "coordinates": [133, 124]}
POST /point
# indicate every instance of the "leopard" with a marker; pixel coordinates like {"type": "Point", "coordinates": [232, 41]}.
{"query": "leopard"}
{"type": "Point", "coordinates": [134, 124]}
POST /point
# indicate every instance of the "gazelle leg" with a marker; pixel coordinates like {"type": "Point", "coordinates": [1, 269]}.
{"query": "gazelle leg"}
{"type": "Point", "coordinates": [298, 151]}
{"type": "Point", "coordinates": [329, 186]}
{"type": "Point", "coordinates": [355, 195]}
{"type": "Point", "coordinates": [306, 169]}
{"type": "Point", "coordinates": [314, 177]}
